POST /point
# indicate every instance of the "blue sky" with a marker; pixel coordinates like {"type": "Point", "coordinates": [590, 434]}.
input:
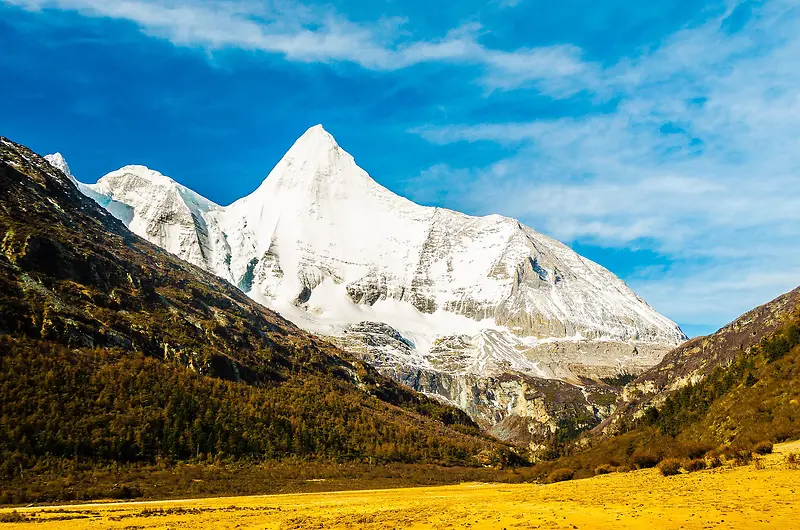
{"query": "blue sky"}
{"type": "Point", "coordinates": [660, 138]}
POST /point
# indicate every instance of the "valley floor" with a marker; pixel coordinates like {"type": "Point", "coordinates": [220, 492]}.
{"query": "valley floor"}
{"type": "Point", "coordinates": [740, 497]}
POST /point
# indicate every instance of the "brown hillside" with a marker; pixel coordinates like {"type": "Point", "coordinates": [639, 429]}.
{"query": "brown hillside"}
{"type": "Point", "coordinates": [699, 357]}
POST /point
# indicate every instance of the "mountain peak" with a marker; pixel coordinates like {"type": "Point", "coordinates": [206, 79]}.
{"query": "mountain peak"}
{"type": "Point", "coordinates": [318, 131]}
{"type": "Point", "coordinates": [57, 161]}
{"type": "Point", "coordinates": [318, 166]}
{"type": "Point", "coordinates": [56, 157]}
{"type": "Point", "coordinates": [143, 172]}
{"type": "Point", "coordinates": [137, 183]}
{"type": "Point", "coordinates": [315, 142]}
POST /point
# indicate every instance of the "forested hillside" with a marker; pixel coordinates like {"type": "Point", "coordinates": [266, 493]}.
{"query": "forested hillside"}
{"type": "Point", "coordinates": [742, 395]}
{"type": "Point", "coordinates": [114, 351]}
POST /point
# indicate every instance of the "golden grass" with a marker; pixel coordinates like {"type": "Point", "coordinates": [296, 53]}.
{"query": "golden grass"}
{"type": "Point", "coordinates": [763, 496]}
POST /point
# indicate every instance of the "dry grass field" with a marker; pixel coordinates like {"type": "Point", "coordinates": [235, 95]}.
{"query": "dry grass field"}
{"type": "Point", "coordinates": [761, 495]}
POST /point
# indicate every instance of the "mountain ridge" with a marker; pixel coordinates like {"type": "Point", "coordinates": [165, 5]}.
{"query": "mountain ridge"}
{"type": "Point", "coordinates": [720, 397]}
{"type": "Point", "coordinates": [698, 358]}
{"type": "Point", "coordinates": [472, 299]}
{"type": "Point", "coordinates": [88, 308]}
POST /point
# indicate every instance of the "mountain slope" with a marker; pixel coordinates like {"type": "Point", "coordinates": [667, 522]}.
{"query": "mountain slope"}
{"type": "Point", "coordinates": [700, 357]}
{"type": "Point", "coordinates": [482, 312]}
{"type": "Point", "coordinates": [716, 396]}
{"type": "Point", "coordinates": [162, 211]}
{"type": "Point", "coordinates": [113, 349]}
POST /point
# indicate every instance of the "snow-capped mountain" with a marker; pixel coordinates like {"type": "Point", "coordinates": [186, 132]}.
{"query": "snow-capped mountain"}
{"type": "Point", "coordinates": [435, 298]}
{"type": "Point", "coordinates": [162, 211]}
{"type": "Point", "coordinates": [57, 161]}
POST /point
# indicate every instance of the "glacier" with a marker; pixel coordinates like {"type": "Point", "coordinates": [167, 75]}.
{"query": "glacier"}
{"type": "Point", "coordinates": [483, 312]}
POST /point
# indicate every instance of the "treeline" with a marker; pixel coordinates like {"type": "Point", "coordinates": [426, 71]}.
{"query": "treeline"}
{"type": "Point", "coordinates": [104, 405]}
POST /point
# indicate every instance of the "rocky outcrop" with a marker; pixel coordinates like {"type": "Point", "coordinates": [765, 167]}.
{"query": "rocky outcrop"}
{"type": "Point", "coordinates": [512, 405]}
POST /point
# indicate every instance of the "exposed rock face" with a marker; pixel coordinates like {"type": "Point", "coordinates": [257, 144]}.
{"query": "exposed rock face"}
{"type": "Point", "coordinates": [447, 303]}
{"type": "Point", "coordinates": [698, 358]}
{"type": "Point", "coordinates": [509, 403]}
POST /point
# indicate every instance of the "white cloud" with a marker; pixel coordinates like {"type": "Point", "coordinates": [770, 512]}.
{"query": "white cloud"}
{"type": "Point", "coordinates": [286, 28]}
{"type": "Point", "coordinates": [700, 161]}
{"type": "Point", "coordinates": [556, 70]}
{"type": "Point", "coordinates": [302, 33]}
{"type": "Point", "coordinates": [714, 296]}
{"type": "Point", "coordinates": [508, 3]}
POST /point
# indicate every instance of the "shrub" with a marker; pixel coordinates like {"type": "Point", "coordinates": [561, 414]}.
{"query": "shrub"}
{"type": "Point", "coordinates": [793, 460]}
{"type": "Point", "coordinates": [780, 344]}
{"type": "Point", "coordinates": [124, 492]}
{"type": "Point", "coordinates": [742, 457]}
{"type": "Point", "coordinates": [763, 448]}
{"type": "Point", "coordinates": [604, 469]}
{"type": "Point", "coordinates": [696, 464]}
{"type": "Point", "coordinates": [13, 517]}
{"type": "Point", "coordinates": [670, 466]}
{"type": "Point", "coordinates": [560, 475]}
{"type": "Point", "coordinates": [759, 463]}
{"type": "Point", "coordinates": [714, 462]}
{"type": "Point", "coordinates": [697, 451]}
{"type": "Point", "coordinates": [643, 460]}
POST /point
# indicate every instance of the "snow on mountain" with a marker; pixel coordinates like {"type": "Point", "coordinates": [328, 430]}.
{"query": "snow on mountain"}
{"type": "Point", "coordinates": [415, 290]}
{"type": "Point", "coordinates": [164, 212]}
{"type": "Point", "coordinates": [57, 161]}
{"type": "Point", "coordinates": [321, 234]}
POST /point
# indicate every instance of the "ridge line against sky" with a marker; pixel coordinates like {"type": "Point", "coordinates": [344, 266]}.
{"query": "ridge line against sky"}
{"type": "Point", "coordinates": [660, 140]}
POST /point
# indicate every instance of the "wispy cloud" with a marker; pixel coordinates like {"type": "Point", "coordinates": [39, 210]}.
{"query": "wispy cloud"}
{"type": "Point", "coordinates": [320, 34]}
{"type": "Point", "coordinates": [699, 160]}
{"type": "Point", "coordinates": [508, 3]}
